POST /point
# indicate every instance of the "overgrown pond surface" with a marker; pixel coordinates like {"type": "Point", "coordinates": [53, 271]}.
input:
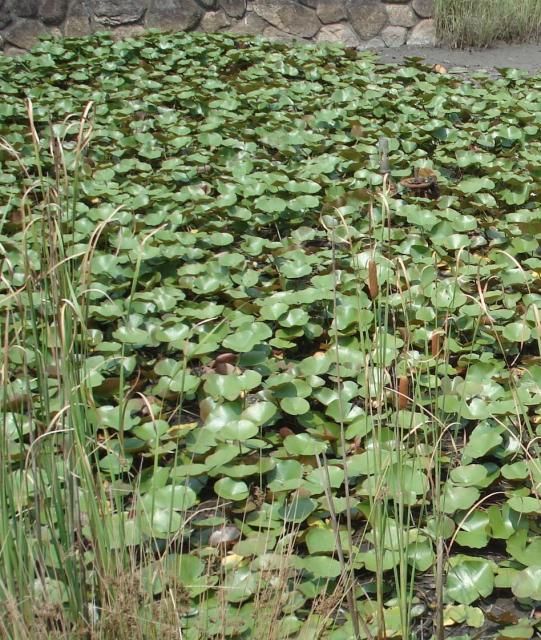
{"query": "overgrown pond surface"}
{"type": "Point", "coordinates": [245, 368]}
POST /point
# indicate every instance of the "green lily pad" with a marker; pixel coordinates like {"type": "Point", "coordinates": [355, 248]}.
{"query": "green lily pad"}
{"type": "Point", "coordinates": [160, 523]}
{"type": "Point", "coordinates": [469, 579]}
{"type": "Point", "coordinates": [245, 340]}
{"type": "Point", "coordinates": [286, 476]}
{"type": "Point", "coordinates": [455, 498]}
{"type": "Point", "coordinates": [178, 497]}
{"type": "Point", "coordinates": [320, 566]}
{"type": "Point", "coordinates": [295, 406]}
{"type": "Point", "coordinates": [303, 445]}
{"type": "Point", "coordinates": [260, 413]}
{"type": "Point", "coordinates": [517, 332]}
{"type": "Point", "coordinates": [474, 530]}
{"type": "Point", "coordinates": [297, 510]}
{"type": "Point", "coordinates": [527, 583]}
{"type": "Point", "coordinates": [231, 386]}
{"type": "Point", "coordinates": [320, 540]}
{"type": "Point", "coordinates": [473, 185]}
{"type": "Point", "coordinates": [240, 430]}
{"type": "Point", "coordinates": [231, 489]}
{"type": "Point", "coordinates": [240, 584]}
{"type": "Point", "coordinates": [525, 504]}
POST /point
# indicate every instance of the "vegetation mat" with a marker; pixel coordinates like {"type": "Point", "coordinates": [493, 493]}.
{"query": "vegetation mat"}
{"type": "Point", "coordinates": [270, 325]}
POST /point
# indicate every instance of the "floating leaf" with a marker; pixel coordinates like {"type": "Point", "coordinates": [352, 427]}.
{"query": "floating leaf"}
{"type": "Point", "coordinates": [517, 332]}
{"type": "Point", "coordinates": [320, 566]}
{"type": "Point", "coordinates": [240, 430]}
{"type": "Point", "coordinates": [231, 489]}
{"type": "Point", "coordinates": [303, 445]}
{"type": "Point", "coordinates": [469, 579]}
{"type": "Point", "coordinates": [474, 530]}
{"type": "Point", "coordinates": [473, 185]}
{"type": "Point", "coordinates": [297, 510]}
{"type": "Point", "coordinates": [178, 497]}
{"type": "Point", "coordinates": [246, 339]}
{"type": "Point", "coordinates": [455, 498]}
{"type": "Point", "coordinates": [240, 584]}
{"type": "Point", "coordinates": [320, 540]}
{"type": "Point", "coordinates": [527, 583]}
{"type": "Point", "coordinates": [295, 406]}
{"type": "Point", "coordinates": [286, 476]}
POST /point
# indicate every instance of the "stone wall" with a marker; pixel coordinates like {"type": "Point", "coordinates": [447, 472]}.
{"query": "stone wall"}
{"type": "Point", "coordinates": [360, 23]}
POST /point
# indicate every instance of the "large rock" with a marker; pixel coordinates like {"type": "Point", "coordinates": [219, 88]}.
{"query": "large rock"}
{"type": "Point", "coordinates": [250, 25]}
{"type": "Point", "coordinates": [117, 12]}
{"type": "Point", "coordinates": [78, 22]}
{"type": "Point", "coordinates": [174, 15]}
{"type": "Point", "coordinates": [79, 8]}
{"type": "Point", "coordinates": [127, 31]}
{"type": "Point", "coordinates": [401, 15]}
{"type": "Point", "coordinates": [77, 26]}
{"type": "Point", "coordinates": [5, 18]}
{"type": "Point", "coordinates": [373, 43]}
{"type": "Point", "coordinates": [234, 8]}
{"type": "Point", "coordinates": [329, 11]}
{"type": "Point", "coordinates": [272, 33]}
{"type": "Point", "coordinates": [423, 8]}
{"type": "Point", "coordinates": [394, 36]}
{"type": "Point", "coordinates": [26, 8]}
{"type": "Point", "coordinates": [288, 16]}
{"type": "Point", "coordinates": [368, 17]}
{"type": "Point", "coordinates": [14, 51]}
{"type": "Point", "coordinates": [53, 11]}
{"type": "Point", "coordinates": [26, 33]}
{"type": "Point", "coordinates": [423, 35]}
{"type": "Point", "coordinates": [341, 32]}
{"type": "Point", "coordinates": [214, 21]}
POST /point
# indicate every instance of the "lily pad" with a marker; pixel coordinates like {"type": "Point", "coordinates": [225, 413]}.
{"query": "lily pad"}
{"type": "Point", "coordinates": [468, 579]}
{"type": "Point", "coordinates": [231, 489]}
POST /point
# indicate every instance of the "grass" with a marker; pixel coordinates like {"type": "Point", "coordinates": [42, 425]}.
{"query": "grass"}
{"type": "Point", "coordinates": [483, 23]}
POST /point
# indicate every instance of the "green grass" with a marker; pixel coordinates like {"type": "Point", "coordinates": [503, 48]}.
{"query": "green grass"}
{"type": "Point", "coordinates": [482, 23]}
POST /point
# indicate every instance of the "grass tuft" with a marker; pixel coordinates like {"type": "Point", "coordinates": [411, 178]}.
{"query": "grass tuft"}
{"type": "Point", "coordinates": [482, 23]}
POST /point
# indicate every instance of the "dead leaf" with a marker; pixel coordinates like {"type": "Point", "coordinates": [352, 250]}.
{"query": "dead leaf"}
{"type": "Point", "coordinates": [439, 68]}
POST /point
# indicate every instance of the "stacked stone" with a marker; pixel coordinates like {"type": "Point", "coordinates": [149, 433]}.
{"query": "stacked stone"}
{"type": "Point", "coordinates": [358, 23]}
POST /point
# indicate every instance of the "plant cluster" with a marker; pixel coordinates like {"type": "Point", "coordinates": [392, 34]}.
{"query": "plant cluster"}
{"type": "Point", "coordinates": [249, 386]}
{"type": "Point", "coordinates": [484, 23]}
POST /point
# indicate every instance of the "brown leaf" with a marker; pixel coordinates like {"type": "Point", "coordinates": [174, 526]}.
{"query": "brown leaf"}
{"type": "Point", "coordinates": [373, 286]}
{"type": "Point", "coordinates": [286, 431]}
{"type": "Point", "coordinates": [403, 392]}
{"type": "Point", "coordinates": [436, 344]}
{"type": "Point", "coordinates": [205, 407]}
{"type": "Point", "coordinates": [224, 368]}
{"type": "Point", "coordinates": [224, 363]}
{"type": "Point", "coordinates": [226, 536]}
{"type": "Point", "coordinates": [425, 172]}
{"type": "Point", "coordinates": [222, 358]}
{"type": "Point", "coordinates": [439, 68]}
{"type": "Point", "coordinates": [16, 402]}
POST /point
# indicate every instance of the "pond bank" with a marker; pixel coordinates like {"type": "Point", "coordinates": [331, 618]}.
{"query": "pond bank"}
{"type": "Point", "coordinates": [518, 56]}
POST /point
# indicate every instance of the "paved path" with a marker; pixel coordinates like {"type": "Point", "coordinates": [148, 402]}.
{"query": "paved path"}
{"type": "Point", "coordinates": [527, 57]}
